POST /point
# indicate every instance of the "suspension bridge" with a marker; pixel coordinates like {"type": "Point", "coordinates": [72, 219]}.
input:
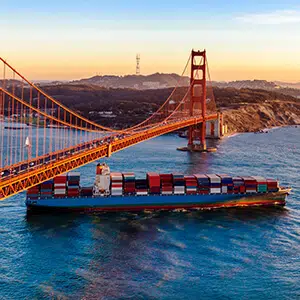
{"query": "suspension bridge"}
{"type": "Point", "coordinates": [41, 138]}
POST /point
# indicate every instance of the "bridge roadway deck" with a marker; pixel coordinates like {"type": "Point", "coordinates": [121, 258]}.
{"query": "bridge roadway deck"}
{"type": "Point", "coordinates": [42, 172]}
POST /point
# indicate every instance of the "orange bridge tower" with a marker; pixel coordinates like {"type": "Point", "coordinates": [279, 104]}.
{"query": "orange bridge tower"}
{"type": "Point", "coordinates": [196, 133]}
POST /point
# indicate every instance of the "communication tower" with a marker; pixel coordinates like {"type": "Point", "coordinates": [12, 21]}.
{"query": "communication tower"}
{"type": "Point", "coordinates": [138, 70]}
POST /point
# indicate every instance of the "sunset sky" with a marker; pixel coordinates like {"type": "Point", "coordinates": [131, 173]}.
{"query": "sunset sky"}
{"type": "Point", "coordinates": [71, 40]}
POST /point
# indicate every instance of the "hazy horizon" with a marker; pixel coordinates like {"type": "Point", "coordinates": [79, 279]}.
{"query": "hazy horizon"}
{"type": "Point", "coordinates": [76, 79]}
{"type": "Point", "coordinates": [67, 40]}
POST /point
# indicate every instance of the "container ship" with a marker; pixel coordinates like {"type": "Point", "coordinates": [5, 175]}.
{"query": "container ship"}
{"type": "Point", "coordinates": [114, 191]}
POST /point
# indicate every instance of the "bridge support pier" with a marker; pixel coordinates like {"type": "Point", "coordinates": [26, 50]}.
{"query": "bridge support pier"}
{"type": "Point", "coordinates": [197, 133]}
{"type": "Point", "coordinates": [197, 140]}
{"type": "Point", "coordinates": [214, 128]}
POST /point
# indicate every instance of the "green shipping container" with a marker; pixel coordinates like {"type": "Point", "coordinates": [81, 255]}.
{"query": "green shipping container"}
{"type": "Point", "coordinates": [262, 188]}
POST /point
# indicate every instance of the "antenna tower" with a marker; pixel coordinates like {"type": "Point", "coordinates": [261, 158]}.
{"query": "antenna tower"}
{"type": "Point", "coordinates": [138, 70]}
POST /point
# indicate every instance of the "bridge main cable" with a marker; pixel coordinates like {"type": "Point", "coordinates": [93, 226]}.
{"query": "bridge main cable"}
{"type": "Point", "coordinates": [91, 123]}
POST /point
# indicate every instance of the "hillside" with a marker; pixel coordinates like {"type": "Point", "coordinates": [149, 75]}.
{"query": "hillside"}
{"type": "Point", "coordinates": [161, 80]}
{"type": "Point", "coordinates": [288, 84]}
{"type": "Point", "coordinates": [258, 116]}
{"type": "Point", "coordinates": [251, 84]}
{"type": "Point", "coordinates": [140, 82]}
{"type": "Point", "coordinates": [244, 109]}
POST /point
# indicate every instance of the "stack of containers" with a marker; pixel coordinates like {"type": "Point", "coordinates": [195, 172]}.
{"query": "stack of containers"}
{"type": "Point", "coordinates": [273, 185]}
{"type": "Point", "coordinates": [129, 183]}
{"type": "Point", "coordinates": [86, 191]}
{"type": "Point", "coordinates": [215, 183]}
{"type": "Point", "coordinates": [226, 184]}
{"type": "Point", "coordinates": [141, 187]}
{"type": "Point", "coordinates": [179, 184]}
{"type": "Point", "coordinates": [238, 185]}
{"type": "Point", "coordinates": [33, 193]}
{"type": "Point", "coordinates": [262, 186]}
{"type": "Point", "coordinates": [203, 184]}
{"type": "Point", "coordinates": [166, 181]}
{"type": "Point", "coordinates": [46, 189]}
{"type": "Point", "coordinates": [191, 185]}
{"type": "Point", "coordinates": [73, 184]}
{"type": "Point", "coordinates": [60, 186]}
{"type": "Point", "coordinates": [116, 180]}
{"type": "Point", "coordinates": [250, 184]}
{"type": "Point", "coordinates": [153, 182]}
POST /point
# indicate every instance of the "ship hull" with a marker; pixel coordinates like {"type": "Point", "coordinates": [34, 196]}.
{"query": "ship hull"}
{"type": "Point", "coordinates": [158, 202]}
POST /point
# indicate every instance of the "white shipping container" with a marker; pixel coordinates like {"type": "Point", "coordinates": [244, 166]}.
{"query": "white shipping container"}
{"type": "Point", "coordinates": [179, 187]}
{"type": "Point", "coordinates": [116, 194]}
{"type": "Point", "coordinates": [116, 176]}
{"type": "Point", "coordinates": [215, 191]}
{"type": "Point", "coordinates": [214, 178]}
{"type": "Point", "coordinates": [166, 193]}
{"type": "Point", "coordinates": [142, 193]}
{"type": "Point", "coordinates": [70, 174]}
{"type": "Point", "coordinates": [60, 190]}
{"type": "Point", "coordinates": [59, 185]}
{"type": "Point", "coordinates": [179, 192]}
{"type": "Point", "coordinates": [259, 178]}
{"type": "Point", "coordinates": [224, 189]}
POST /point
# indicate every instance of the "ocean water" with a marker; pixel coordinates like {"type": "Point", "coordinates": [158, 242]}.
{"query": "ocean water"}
{"type": "Point", "coordinates": [219, 254]}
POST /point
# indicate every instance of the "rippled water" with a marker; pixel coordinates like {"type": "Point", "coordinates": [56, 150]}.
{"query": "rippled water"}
{"type": "Point", "coordinates": [225, 254]}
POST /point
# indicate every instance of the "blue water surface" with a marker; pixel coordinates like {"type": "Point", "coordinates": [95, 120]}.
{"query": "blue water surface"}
{"type": "Point", "coordinates": [219, 254]}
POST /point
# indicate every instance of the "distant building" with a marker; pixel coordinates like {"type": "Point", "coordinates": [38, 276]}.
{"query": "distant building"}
{"type": "Point", "coordinates": [153, 85]}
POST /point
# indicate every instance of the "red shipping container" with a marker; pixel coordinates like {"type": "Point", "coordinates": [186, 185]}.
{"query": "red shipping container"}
{"type": "Point", "coordinates": [141, 190]}
{"type": "Point", "coordinates": [166, 177]}
{"type": "Point", "coordinates": [129, 191]}
{"type": "Point", "coordinates": [203, 192]}
{"type": "Point", "coordinates": [129, 188]}
{"type": "Point", "coordinates": [153, 183]}
{"type": "Point", "coordinates": [33, 190]}
{"type": "Point", "coordinates": [60, 179]}
{"type": "Point", "coordinates": [73, 194]}
{"type": "Point", "coordinates": [117, 185]}
{"type": "Point", "coordinates": [46, 186]}
{"type": "Point", "coordinates": [155, 192]}
{"type": "Point", "coordinates": [190, 193]}
{"type": "Point", "coordinates": [272, 182]}
{"type": "Point", "coordinates": [73, 182]}
{"type": "Point", "coordinates": [167, 189]}
{"type": "Point", "coordinates": [242, 189]}
{"type": "Point", "coordinates": [190, 177]}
